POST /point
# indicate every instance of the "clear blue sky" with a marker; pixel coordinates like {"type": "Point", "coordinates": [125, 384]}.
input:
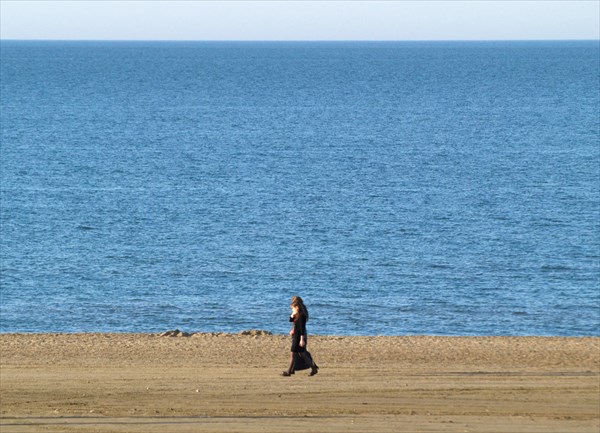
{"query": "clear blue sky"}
{"type": "Point", "coordinates": [299, 20]}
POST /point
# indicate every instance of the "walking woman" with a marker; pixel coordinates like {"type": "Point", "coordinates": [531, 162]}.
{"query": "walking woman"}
{"type": "Point", "coordinates": [299, 354]}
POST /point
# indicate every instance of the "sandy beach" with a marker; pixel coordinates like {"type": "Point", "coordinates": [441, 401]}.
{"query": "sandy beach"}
{"type": "Point", "coordinates": [231, 383]}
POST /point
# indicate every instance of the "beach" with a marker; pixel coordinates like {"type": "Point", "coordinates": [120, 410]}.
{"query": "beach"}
{"type": "Point", "coordinates": [217, 382]}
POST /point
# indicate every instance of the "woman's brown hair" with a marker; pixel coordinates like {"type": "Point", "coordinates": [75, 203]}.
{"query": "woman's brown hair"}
{"type": "Point", "coordinates": [297, 301]}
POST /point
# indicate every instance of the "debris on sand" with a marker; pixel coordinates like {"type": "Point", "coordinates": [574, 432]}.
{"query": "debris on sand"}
{"type": "Point", "coordinates": [255, 332]}
{"type": "Point", "coordinates": [175, 333]}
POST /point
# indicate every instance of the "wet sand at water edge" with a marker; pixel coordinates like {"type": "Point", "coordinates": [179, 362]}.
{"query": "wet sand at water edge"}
{"type": "Point", "coordinates": [213, 382]}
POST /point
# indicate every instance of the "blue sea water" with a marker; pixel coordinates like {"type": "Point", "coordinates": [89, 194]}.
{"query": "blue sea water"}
{"type": "Point", "coordinates": [400, 188]}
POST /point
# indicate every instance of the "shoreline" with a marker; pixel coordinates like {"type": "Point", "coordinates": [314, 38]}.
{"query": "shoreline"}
{"type": "Point", "coordinates": [220, 382]}
{"type": "Point", "coordinates": [253, 332]}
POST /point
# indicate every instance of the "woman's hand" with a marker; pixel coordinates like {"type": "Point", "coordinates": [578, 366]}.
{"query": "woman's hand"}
{"type": "Point", "coordinates": [302, 342]}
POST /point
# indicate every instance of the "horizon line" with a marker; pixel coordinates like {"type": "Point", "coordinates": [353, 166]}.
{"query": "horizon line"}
{"type": "Point", "coordinates": [299, 40]}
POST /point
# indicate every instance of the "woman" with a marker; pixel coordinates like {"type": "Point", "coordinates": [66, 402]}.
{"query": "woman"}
{"type": "Point", "coordinates": [299, 318]}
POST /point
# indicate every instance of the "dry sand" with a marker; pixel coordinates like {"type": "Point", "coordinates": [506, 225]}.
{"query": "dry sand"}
{"type": "Point", "coordinates": [231, 383]}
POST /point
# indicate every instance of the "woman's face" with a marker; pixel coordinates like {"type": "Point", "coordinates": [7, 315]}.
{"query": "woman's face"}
{"type": "Point", "coordinates": [294, 308]}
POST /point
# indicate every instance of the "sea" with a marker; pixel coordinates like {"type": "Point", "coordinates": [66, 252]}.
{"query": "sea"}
{"type": "Point", "coordinates": [400, 188]}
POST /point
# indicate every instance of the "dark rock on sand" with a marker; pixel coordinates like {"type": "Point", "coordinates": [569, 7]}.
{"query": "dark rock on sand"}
{"type": "Point", "coordinates": [175, 333]}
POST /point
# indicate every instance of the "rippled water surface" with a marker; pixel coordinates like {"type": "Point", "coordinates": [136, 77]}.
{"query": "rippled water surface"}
{"type": "Point", "coordinates": [400, 188]}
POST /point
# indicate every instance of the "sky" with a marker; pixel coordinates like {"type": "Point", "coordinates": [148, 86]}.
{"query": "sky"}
{"type": "Point", "coordinates": [299, 20]}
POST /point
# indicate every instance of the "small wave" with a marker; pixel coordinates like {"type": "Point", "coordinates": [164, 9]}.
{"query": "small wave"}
{"type": "Point", "coordinates": [520, 313]}
{"type": "Point", "coordinates": [440, 266]}
{"type": "Point", "coordinates": [85, 228]}
{"type": "Point", "coordinates": [555, 268]}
